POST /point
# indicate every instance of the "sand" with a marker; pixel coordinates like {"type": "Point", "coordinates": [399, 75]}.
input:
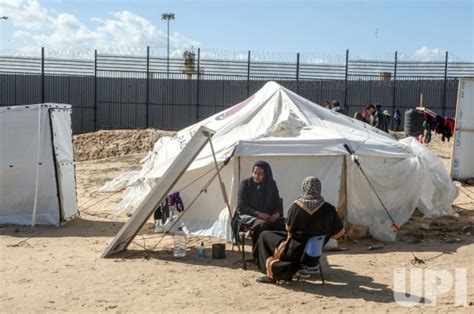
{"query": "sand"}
{"type": "Point", "coordinates": [52, 269]}
{"type": "Point", "coordinates": [106, 143]}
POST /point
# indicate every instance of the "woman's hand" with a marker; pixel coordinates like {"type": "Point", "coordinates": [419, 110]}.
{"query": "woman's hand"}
{"type": "Point", "coordinates": [274, 217]}
{"type": "Point", "coordinates": [264, 216]}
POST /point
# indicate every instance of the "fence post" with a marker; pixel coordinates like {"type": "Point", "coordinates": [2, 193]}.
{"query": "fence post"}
{"type": "Point", "coordinates": [42, 76]}
{"type": "Point", "coordinates": [298, 73]}
{"type": "Point", "coordinates": [248, 75]}
{"type": "Point", "coordinates": [147, 103]}
{"type": "Point", "coordinates": [198, 84]}
{"type": "Point", "coordinates": [445, 84]}
{"type": "Point", "coordinates": [14, 90]}
{"type": "Point", "coordinates": [394, 96]}
{"type": "Point", "coordinates": [345, 81]}
{"type": "Point", "coordinates": [95, 90]}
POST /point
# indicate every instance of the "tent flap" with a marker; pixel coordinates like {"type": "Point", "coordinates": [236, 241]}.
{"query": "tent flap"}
{"type": "Point", "coordinates": [63, 148]}
{"type": "Point", "coordinates": [395, 184]}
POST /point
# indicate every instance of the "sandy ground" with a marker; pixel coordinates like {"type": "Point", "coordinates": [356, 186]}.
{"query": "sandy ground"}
{"type": "Point", "coordinates": [106, 143]}
{"type": "Point", "coordinates": [51, 269]}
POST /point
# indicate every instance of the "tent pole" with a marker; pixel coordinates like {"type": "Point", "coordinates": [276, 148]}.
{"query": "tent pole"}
{"type": "Point", "coordinates": [33, 218]}
{"type": "Point", "coordinates": [223, 190]}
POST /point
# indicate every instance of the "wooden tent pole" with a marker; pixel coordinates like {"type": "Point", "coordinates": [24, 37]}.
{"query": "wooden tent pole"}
{"type": "Point", "coordinates": [223, 190]}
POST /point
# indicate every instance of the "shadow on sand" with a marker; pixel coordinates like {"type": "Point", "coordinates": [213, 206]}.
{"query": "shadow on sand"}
{"type": "Point", "coordinates": [339, 282]}
{"type": "Point", "coordinates": [78, 227]}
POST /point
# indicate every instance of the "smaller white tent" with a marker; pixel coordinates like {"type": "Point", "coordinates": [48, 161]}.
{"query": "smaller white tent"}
{"type": "Point", "coordinates": [299, 138]}
{"type": "Point", "coordinates": [37, 173]}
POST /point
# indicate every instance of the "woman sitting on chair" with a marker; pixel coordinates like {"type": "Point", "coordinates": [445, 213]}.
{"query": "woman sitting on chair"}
{"type": "Point", "coordinates": [278, 254]}
{"type": "Point", "coordinates": [258, 203]}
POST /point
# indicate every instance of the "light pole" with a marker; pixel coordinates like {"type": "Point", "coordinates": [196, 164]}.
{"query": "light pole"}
{"type": "Point", "coordinates": [167, 17]}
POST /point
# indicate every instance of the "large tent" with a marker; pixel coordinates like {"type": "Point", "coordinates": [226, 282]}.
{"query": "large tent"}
{"type": "Point", "coordinates": [300, 138]}
{"type": "Point", "coordinates": [37, 176]}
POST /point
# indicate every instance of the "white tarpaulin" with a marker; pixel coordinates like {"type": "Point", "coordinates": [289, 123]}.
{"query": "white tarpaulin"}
{"type": "Point", "coordinates": [462, 166]}
{"type": "Point", "coordinates": [298, 138]}
{"type": "Point", "coordinates": [36, 140]}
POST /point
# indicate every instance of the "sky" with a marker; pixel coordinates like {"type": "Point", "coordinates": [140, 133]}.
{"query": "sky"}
{"type": "Point", "coordinates": [273, 30]}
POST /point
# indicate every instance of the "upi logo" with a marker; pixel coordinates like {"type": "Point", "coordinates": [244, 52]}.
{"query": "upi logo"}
{"type": "Point", "coordinates": [427, 284]}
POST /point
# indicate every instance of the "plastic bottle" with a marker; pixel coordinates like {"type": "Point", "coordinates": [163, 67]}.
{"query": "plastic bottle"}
{"type": "Point", "coordinates": [202, 252]}
{"type": "Point", "coordinates": [158, 226]}
{"type": "Point", "coordinates": [179, 243]}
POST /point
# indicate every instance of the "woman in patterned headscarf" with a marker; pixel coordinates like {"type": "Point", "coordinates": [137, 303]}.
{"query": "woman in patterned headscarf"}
{"type": "Point", "coordinates": [278, 254]}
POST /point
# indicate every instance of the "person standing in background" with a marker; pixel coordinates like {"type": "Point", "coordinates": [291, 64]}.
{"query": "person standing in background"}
{"type": "Point", "coordinates": [397, 121]}
{"type": "Point", "coordinates": [336, 107]}
{"type": "Point", "coordinates": [427, 121]}
{"type": "Point", "coordinates": [379, 118]}
{"type": "Point", "coordinates": [388, 120]}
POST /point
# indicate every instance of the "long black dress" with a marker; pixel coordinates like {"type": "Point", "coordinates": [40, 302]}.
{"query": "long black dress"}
{"type": "Point", "coordinates": [278, 253]}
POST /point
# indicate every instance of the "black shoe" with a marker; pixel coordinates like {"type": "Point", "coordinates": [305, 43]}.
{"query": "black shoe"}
{"type": "Point", "coordinates": [265, 279]}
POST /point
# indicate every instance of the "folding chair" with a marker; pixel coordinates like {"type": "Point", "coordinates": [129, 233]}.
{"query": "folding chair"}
{"type": "Point", "coordinates": [242, 228]}
{"type": "Point", "coordinates": [310, 259]}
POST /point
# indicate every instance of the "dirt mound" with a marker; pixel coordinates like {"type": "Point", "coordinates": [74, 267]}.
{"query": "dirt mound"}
{"type": "Point", "coordinates": [104, 144]}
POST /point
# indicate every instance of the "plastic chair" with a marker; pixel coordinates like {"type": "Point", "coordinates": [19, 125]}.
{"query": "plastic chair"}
{"type": "Point", "coordinates": [309, 263]}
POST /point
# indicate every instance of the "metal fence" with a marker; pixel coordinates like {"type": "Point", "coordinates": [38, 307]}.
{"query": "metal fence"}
{"type": "Point", "coordinates": [112, 92]}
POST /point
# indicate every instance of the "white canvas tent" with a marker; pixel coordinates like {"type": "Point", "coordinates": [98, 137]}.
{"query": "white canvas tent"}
{"type": "Point", "coordinates": [37, 175]}
{"type": "Point", "coordinates": [299, 138]}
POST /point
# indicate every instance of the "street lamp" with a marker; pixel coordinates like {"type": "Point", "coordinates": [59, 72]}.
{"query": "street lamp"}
{"type": "Point", "coordinates": [167, 17]}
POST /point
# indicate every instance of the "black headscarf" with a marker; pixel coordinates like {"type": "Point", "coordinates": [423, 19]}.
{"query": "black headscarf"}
{"type": "Point", "coordinates": [263, 197]}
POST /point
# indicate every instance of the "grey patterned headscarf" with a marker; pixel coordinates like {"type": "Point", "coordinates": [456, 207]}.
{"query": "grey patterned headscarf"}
{"type": "Point", "coordinates": [311, 197]}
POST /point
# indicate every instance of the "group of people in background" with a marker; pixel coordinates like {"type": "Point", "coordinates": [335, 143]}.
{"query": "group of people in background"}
{"type": "Point", "coordinates": [379, 119]}
{"type": "Point", "coordinates": [373, 115]}
{"type": "Point", "coordinates": [334, 106]}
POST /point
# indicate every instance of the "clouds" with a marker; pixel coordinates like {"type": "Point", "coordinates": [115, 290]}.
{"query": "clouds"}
{"type": "Point", "coordinates": [67, 31]}
{"type": "Point", "coordinates": [428, 54]}
{"type": "Point", "coordinates": [25, 14]}
{"type": "Point", "coordinates": [122, 32]}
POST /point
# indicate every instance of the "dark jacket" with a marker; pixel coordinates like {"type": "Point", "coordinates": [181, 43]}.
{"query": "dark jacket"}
{"type": "Point", "coordinates": [379, 121]}
{"type": "Point", "coordinates": [253, 200]}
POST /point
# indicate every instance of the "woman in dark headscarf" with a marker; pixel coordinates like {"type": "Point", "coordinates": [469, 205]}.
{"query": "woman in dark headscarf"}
{"type": "Point", "coordinates": [278, 254]}
{"type": "Point", "coordinates": [259, 198]}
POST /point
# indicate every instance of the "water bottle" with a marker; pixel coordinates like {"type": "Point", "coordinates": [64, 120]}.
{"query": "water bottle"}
{"type": "Point", "coordinates": [202, 252]}
{"type": "Point", "coordinates": [179, 243]}
{"type": "Point", "coordinates": [158, 227]}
